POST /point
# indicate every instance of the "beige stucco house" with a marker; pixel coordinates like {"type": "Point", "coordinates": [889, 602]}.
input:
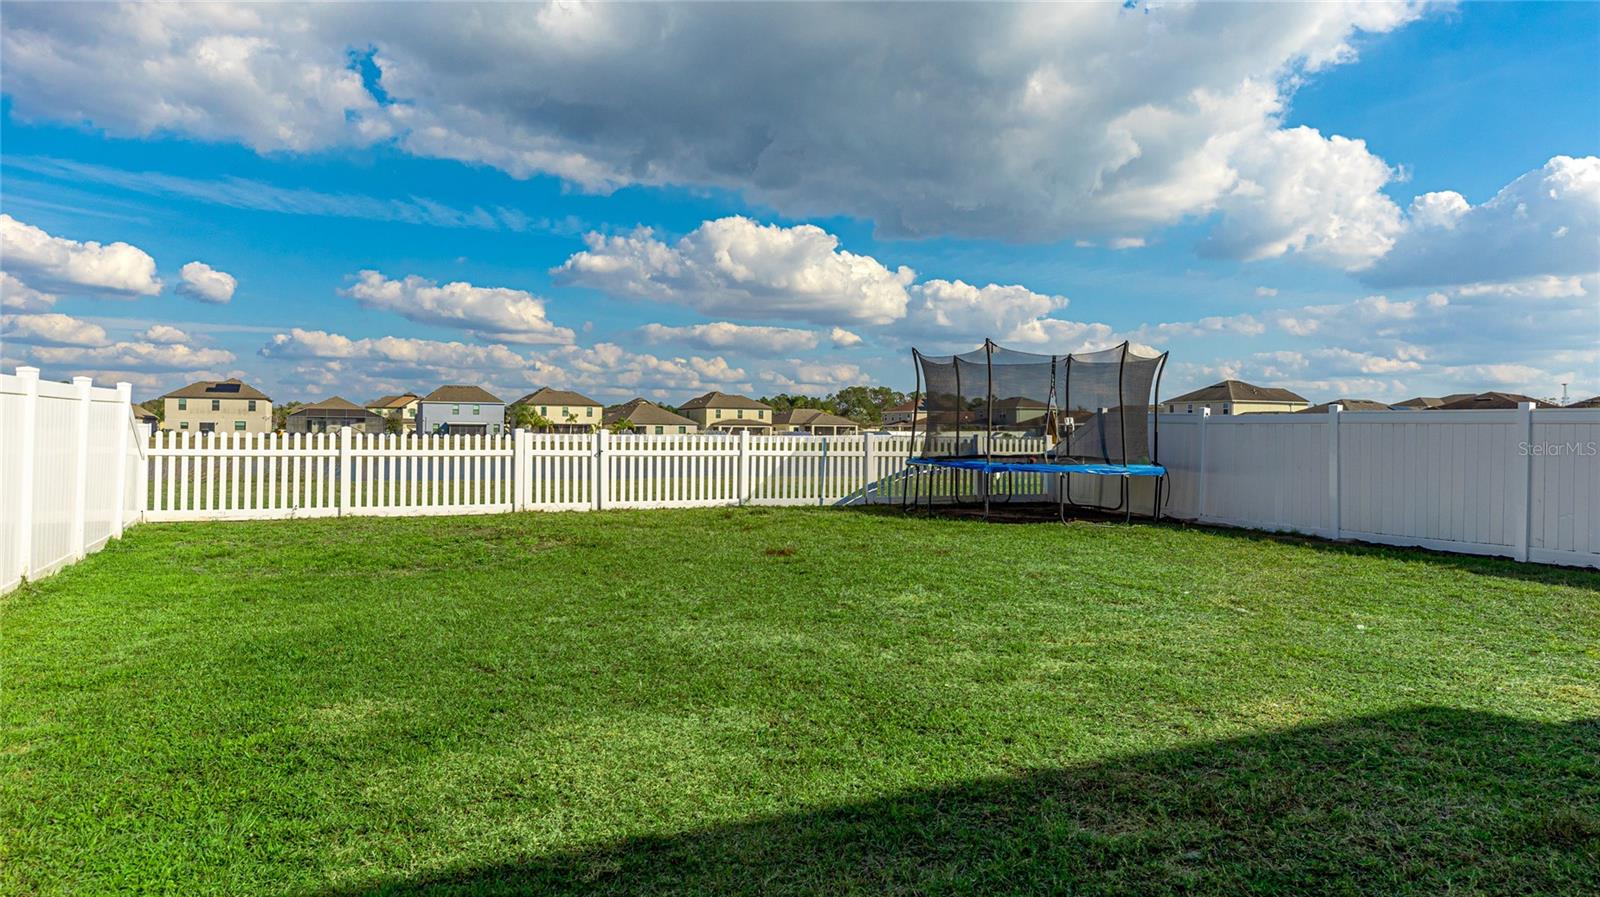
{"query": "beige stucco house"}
{"type": "Point", "coordinates": [1236, 397]}
{"type": "Point", "coordinates": [568, 412]}
{"type": "Point", "coordinates": [332, 414]}
{"type": "Point", "coordinates": [402, 408]}
{"type": "Point", "coordinates": [220, 406]}
{"type": "Point", "coordinates": [648, 417]}
{"type": "Point", "coordinates": [720, 412]}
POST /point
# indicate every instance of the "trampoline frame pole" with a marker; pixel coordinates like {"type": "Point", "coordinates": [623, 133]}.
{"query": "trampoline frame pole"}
{"type": "Point", "coordinates": [911, 449]}
{"type": "Point", "coordinates": [988, 435]}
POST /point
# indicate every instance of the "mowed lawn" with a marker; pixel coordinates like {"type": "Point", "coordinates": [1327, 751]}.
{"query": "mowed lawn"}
{"type": "Point", "coordinates": [761, 701]}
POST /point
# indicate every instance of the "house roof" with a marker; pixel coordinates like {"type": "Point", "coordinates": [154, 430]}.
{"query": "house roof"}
{"type": "Point", "coordinates": [1593, 402]}
{"type": "Point", "coordinates": [812, 417]}
{"type": "Point", "coordinates": [1239, 391]}
{"type": "Point", "coordinates": [716, 399]}
{"type": "Point", "coordinates": [1019, 402]}
{"type": "Point", "coordinates": [1349, 405]}
{"type": "Point", "coordinates": [1492, 400]}
{"type": "Point", "coordinates": [1431, 401]}
{"type": "Point", "coordinates": [643, 412]}
{"type": "Point", "coordinates": [231, 388]}
{"type": "Point", "coordinates": [459, 393]}
{"type": "Point", "coordinates": [544, 395]}
{"type": "Point", "coordinates": [399, 401]}
{"type": "Point", "coordinates": [332, 403]}
{"type": "Point", "coordinates": [740, 423]}
{"type": "Point", "coordinates": [907, 406]}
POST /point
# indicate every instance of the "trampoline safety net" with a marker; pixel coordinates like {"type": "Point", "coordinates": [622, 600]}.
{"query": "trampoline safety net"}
{"type": "Point", "coordinates": [1091, 407]}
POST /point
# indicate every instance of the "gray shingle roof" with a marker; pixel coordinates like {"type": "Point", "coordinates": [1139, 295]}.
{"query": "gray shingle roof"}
{"type": "Point", "coordinates": [544, 395]}
{"type": "Point", "coordinates": [333, 403]}
{"type": "Point", "coordinates": [1238, 391]}
{"type": "Point", "coordinates": [458, 393]}
{"type": "Point", "coordinates": [716, 399]}
{"type": "Point", "coordinates": [813, 417]}
{"type": "Point", "coordinates": [645, 413]}
{"type": "Point", "coordinates": [231, 388]}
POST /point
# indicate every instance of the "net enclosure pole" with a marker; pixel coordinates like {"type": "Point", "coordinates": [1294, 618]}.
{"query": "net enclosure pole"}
{"type": "Point", "coordinates": [1122, 403]}
{"type": "Point", "coordinates": [911, 449]}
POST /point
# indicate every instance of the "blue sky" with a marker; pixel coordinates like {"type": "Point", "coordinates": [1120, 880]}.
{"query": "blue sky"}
{"type": "Point", "coordinates": [822, 189]}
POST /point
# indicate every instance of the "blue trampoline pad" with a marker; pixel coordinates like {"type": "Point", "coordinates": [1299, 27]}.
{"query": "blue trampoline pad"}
{"type": "Point", "coordinates": [1099, 470]}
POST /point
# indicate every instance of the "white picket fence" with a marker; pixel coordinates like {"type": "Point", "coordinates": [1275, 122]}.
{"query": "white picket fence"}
{"type": "Point", "coordinates": [253, 476]}
{"type": "Point", "coordinates": [71, 463]}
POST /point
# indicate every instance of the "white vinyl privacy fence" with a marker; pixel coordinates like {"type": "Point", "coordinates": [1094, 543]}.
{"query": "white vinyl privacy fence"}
{"type": "Point", "coordinates": [71, 468]}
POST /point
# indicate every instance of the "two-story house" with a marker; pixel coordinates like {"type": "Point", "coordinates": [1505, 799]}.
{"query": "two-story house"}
{"type": "Point", "coordinates": [210, 406]}
{"type": "Point", "coordinates": [723, 413]}
{"type": "Point", "coordinates": [468, 410]}
{"type": "Point", "coordinates": [1236, 397]}
{"type": "Point", "coordinates": [402, 408]}
{"type": "Point", "coordinates": [568, 412]}
{"type": "Point", "coordinates": [648, 417]}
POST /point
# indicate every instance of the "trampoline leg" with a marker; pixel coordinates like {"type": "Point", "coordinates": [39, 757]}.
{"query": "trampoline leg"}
{"type": "Point", "coordinates": [1155, 505]}
{"type": "Point", "coordinates": [1061, 497]}
{"type": "Point", "coordinates": [1127, 506]}
{"type": "Point", "coordinates": [988, 485]}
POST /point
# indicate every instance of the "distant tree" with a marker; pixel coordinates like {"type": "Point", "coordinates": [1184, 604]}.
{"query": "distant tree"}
{"type": "Point", "coordinates": [280, 414]}
{"type": "Point", "coordinates": [526, 417]}
{"type": "Point", "coordinates": [394, 426]}
{"type": "Point", "coordinates": [620, 425]}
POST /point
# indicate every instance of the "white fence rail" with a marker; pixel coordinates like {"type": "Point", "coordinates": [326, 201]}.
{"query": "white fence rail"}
{"type": "Point", "coordinates": [71, 463]}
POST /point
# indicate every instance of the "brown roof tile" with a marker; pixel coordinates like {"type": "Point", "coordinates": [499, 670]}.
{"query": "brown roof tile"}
{"type": "Point", "coordinates": [547, 396]}
{"type": "Point", "coordinates": [231, 388]}
{"type": "Point", "coordinates": [458, 393]}
{"type": "Point", "coordinates": [1238, 391]}
{"type": "Point", "coordinates": [716, 399]}
{"type": "Point", "coordinates": [643, 412]}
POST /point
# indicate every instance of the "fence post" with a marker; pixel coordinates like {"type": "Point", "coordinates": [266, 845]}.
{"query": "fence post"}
{"type": "Point", "coordinates": [602, 469]}
{"type": "Point", "coordinates": [1335, 411]}
{"type": "Point", "coordinates": [120, 491]}
{"type": "Point", "coordinates": [869, 462]}
{"type": "Point", "coordinates": [1200, 473]}
{"type": "Point", "coordinates": [744, 466]}
{"type": "Point", "coordinates": [80, 479]}
{"type": "Point", "coordinates": [521, 469]}
{"type": "Point", "coordinates": [1522, 470]}
{"type": "Point", "coordinates": [29, 435]}
{"type": "Point", "coordinates": [141, 478]}
{"type": "Point", "coordinates": [344, 471]}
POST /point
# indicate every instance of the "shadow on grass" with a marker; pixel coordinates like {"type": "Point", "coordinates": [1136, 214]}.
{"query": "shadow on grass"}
{"type": "Point", "coordinates": [1423, 801]}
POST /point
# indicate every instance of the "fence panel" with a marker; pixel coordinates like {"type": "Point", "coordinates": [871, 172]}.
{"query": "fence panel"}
{"type": "Point", "coordinates": [1564, 486]}
{"type": "Point", "coordinates": [67, 449]}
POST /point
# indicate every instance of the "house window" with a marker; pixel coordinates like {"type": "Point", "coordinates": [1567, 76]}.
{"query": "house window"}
{"type": "Point", "coordinates": [183, 404]}
{"type": "Point", "coordinates": [660, 430]}
{"type": "Point", "coordinates": [589, 411]}
{"type": "Point", "coordinates": [238, 425]}
{"type": "Point", "coordinates": [252, 404]}
{"type": "Point", "coordinates": [476, 408]}
{"type": "Point", "coordinates": [216, 404]}
{"type": "Point", "coordinates": [761, 415]}
{"type": "Point", "coordinates": [1191, 409]}
{"type": "Point", "coordinates": [183, 425]}
{"type": "Point", "coordinates": [455, 409]}
{"type": "Point", "coordinates": [683, 429]}
{"type": "Point", "coordinates": [719, 414]}
{"type": "Point", "coordinates": [544, 411]}
{"type": "Point", "coordinates": [1225, 409]}
{"type": "Point", "coordinates": [741, 414]}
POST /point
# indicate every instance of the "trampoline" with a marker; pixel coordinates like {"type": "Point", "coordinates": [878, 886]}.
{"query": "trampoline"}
{"type": "Point", "coordinates": [993, 414]}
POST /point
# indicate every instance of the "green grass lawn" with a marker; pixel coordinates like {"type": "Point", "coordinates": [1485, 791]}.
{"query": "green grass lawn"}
{"type": "Point", "coordinates": [751, 701]}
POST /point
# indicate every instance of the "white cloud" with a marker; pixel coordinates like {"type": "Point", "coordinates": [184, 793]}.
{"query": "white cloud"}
{"type": "Point", "coordinates": [1511, 237]}
{"type": "Point", "coordinates": [163, 333]}
{"type": "Point", "coordinates": [207, 284]}
{"type": "Point", "coordinates": [1299, 191]}
{"type": "Point", "coordinates": [1266, 292]}
{"type": "Point", "coordinates": [491, 313]}
{"type": "Point", "coordinates": [971, 313]}
{"type": "Point", "coordinates": [56, 263]}
{"type": "Point", "coordinates": [982, 99]}
{"type": "Point", "coordinates": [1544, 287]}
{"type": "Point", "coordinates": [1369, 315]}
{"type": "Point", "coordinates": [136, 356]}
{"type": "Point", "coordinates": [18, 296]}
{"type": "Point", "coordinates": [742, 337]}
{"type": "Point", "coordinates": [1244, 325]}
{"type": "Point", "coordinates": [843, 339]}
{"type": "Point", "coordinates": [52, 329]}
{"type": "Point", "coordinates": [610, 371]}
{"type": "Point", "coordinates": [418, 353]}
{"type": "Point", "coordinates": [735, 266]}
{"type": "Point", "coordinates": [814, 378]}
